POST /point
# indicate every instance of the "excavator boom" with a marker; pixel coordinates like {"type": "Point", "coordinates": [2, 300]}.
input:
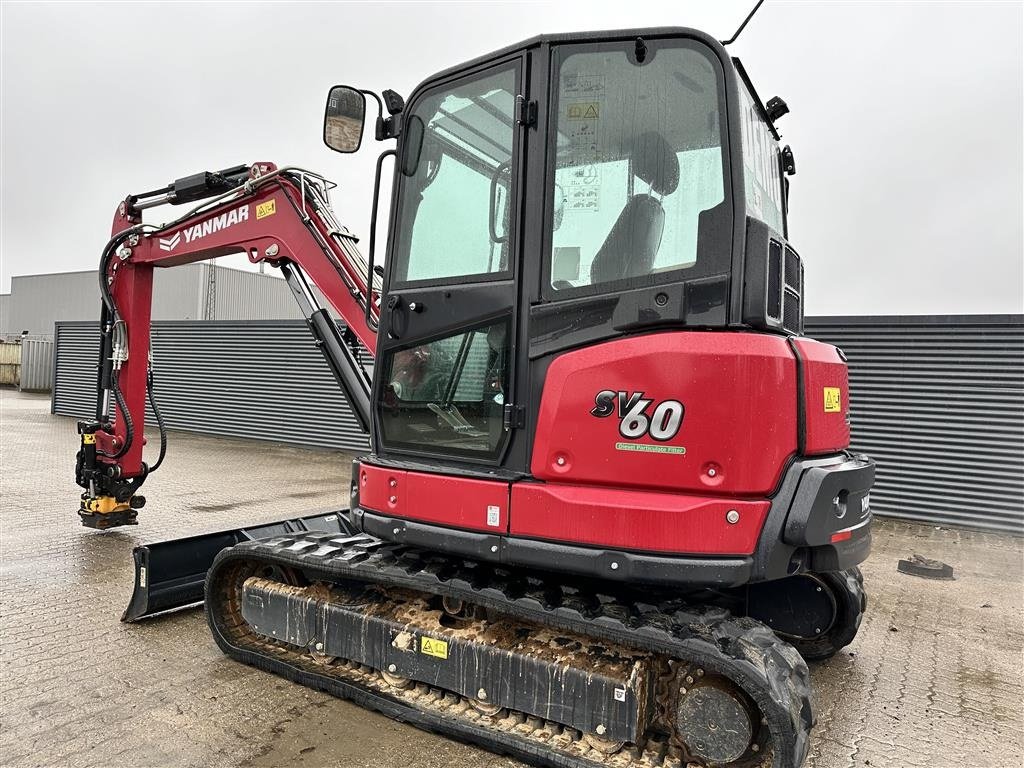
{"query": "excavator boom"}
{"type": "Point", "coordinates": [278, 216]}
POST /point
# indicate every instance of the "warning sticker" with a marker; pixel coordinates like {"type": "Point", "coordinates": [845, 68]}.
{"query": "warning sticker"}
{"type": "Point", "coordinates": [582, 86]}
{"type": "Point", "coordinates": [832, 400]}
{"type": "Point", "coordinates": [583, 110]}
{"type": "Point", "coordinates": [584, 137]}
{"type": "Point", "coordinates": [584, 199]}
{"type": "Point", "coordinates": [268, 208]}
{"type": "Point", "coordinates": [436, 648]}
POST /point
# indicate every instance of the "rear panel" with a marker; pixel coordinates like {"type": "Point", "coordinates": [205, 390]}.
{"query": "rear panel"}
{"type": "Point", "coordinates": [684, 411]}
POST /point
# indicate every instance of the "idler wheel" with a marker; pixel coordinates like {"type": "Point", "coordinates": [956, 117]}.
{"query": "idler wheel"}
{"type": "Point", "coordinates": [715, 721]}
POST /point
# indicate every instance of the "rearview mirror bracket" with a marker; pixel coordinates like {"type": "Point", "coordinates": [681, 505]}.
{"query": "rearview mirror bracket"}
{"type": "Point", "coordinates": [388, 127]}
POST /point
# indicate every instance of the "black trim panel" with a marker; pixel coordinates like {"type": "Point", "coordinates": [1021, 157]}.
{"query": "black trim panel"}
{"type": "Point", "coordinates": [612, 565]}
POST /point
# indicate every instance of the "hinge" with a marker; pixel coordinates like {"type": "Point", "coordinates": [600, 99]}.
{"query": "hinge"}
{"type": "Point", "coordinates": [513, 416]}
{"type": "Point", "coordinates": [526, 111]}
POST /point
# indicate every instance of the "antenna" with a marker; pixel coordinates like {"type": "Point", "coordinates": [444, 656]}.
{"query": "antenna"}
{"type": "Point", "coordinates": [746, 21]}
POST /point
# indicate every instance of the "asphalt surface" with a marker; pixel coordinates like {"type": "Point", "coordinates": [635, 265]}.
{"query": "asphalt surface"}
{"type": "Point", "coordinates": [934, 678]}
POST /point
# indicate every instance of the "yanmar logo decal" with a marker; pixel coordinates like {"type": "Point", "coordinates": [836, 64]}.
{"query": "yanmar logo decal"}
{"type": "Point", "coordinates": [208, 227]}
{"type": "Point", "coordinates": [170, 243]}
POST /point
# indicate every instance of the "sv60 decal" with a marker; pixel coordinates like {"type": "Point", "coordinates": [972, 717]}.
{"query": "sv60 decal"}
{"type": "Point", "coordinates": [635, 420]}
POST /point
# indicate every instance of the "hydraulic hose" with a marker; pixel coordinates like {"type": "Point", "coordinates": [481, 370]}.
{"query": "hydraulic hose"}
{"type": "Point", "coordinates": [108, 299]}
{"type": "Point", "coordinates": [129, 427]}
{"type": "Point", "coordinates": [159, 421]}
{"type": "Point", "coordinates": [108, 252]}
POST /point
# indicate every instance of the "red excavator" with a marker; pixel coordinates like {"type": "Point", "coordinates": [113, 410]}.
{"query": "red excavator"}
{"type": "Point", "coordinates": [609, 506]}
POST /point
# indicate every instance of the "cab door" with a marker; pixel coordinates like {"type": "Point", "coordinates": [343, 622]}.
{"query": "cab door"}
{"type": "Point", "coordinates": [447, 349]}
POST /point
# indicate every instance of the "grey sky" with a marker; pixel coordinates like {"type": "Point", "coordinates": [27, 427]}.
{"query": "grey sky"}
{"type": "Point", "coordinates": [906, 120]}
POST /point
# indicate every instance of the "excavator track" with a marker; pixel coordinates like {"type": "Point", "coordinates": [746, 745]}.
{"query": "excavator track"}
{"type": "Point", "coordinates": [676, 659]}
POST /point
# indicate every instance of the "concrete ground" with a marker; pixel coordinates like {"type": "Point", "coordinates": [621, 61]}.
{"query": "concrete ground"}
{"type": "Point", "coordinates": [934, 678]}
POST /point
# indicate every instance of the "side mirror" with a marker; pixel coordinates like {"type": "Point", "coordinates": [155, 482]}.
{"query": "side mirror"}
{"type": "Point", "coordinates": [344, 117]}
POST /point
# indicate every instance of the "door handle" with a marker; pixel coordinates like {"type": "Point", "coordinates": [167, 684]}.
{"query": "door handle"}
{"type": "Point", "coordinates": [394, 304]}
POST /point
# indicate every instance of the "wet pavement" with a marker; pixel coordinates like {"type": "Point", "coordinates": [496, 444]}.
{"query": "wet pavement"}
{"type": "Point", "coordinates": [934, 678]}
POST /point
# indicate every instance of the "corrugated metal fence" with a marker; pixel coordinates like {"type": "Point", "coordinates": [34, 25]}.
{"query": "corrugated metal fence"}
{"type": "Point", "coordinates": [36, 365]}
{"type": "Point", "coordinates": [255, 379]}
{"type": "Point", "coordinates": [27, 364]}
{"type": "Point", "coordinates": [939, 403]}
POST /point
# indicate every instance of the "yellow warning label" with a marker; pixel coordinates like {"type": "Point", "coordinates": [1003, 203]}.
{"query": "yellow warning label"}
{"type": "Point", "coordinates": [832, 400]}
{"type": "Point", "coordinates": [584, 110]}
{"type": "Point", "coordinates": [268, 208]}
{"type": "Point", "coordinates": [88, 439]}
{"type": "Point", "coordinates": [435, 648]}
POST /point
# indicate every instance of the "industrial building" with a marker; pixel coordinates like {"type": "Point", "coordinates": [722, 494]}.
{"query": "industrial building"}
{"type": "Point", "coordinates": [192, 292]}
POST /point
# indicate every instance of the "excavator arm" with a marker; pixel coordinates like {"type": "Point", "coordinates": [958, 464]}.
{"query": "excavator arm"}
{"type": "Point", "coordinates": [279, 216]}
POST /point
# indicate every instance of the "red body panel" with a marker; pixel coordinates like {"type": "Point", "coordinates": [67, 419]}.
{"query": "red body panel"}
{"type": "Point", "coordinates": [739, 391]}
{"type": "Point", "coordinates": [133, 294]}
{"type": "Point", "coordinates": [382, 489]}
{"type": "Point", "coordinates": [456, 502]}
{"type": "Point", "coordinates": [828, 426]}
{"type": "Point", "coordinates": [638, 520]}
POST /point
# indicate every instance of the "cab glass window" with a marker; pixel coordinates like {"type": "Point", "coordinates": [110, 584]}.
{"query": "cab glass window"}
{"type": "Point", "coordinates": [455, 198]}
{"type": "Point", "coordinates": [448, 395]}
{"type": "Point", "coordinates": [639, 161]}
{"type": "Point", "coordinates": [761, 177]}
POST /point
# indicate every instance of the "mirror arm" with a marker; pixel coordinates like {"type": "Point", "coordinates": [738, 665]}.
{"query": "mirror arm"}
{"type": "Point", "coordinates": [387, 128]}
{"type": "Point", "coordinates": [384, 127]}
{"type": "Point", "coordinates": [373, 237]}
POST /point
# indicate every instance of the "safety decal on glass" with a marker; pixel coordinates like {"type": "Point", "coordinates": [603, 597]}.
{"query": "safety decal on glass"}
{"type": "Point", "coordinates": [268, 208]}
{"type": "Point", "coordinates": [832, 400]}
{"type": "Point", "coordinates": [583, 110]}
{"type": "Point", "coordinates": [494, 516]}
{"type": "Point", "coordinates": [436, 648]}
{"type": "Point", "coordinates": [581, 86]}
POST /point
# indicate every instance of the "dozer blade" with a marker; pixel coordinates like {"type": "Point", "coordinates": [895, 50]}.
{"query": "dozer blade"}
{"type": "Point", "coordinates": [169, 575]}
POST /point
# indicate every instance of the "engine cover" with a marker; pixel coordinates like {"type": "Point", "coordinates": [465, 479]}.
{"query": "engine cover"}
{"type": "Point", "coordinates": [708, 413]}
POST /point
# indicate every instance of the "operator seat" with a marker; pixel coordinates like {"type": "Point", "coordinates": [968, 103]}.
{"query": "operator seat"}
{"type": "Point", "coordinates": [635, 237]}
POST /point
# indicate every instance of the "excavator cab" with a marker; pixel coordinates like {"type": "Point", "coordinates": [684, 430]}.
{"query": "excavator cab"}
{"type": "Point", "coordinates": [569, 190]}
{"type": "Point", "coordinates": [590, 300]}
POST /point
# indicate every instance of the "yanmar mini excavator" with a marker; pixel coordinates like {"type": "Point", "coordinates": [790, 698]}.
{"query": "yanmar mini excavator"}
{"type": "Point", "coordinates": [609, 507]}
